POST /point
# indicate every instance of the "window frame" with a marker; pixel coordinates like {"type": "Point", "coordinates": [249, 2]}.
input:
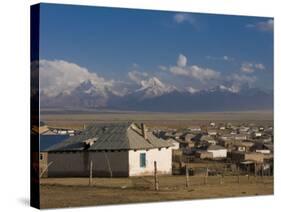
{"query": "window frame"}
{"type": "Point", "coordinates": [143, 160]}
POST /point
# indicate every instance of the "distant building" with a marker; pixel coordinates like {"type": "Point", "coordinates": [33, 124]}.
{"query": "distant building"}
{"type": "Point", "coordinates": [208, 139]}
{"type": "Point", "coordinates": [176, 143]}
{"type": "Point", "coordinates": [217, 151]}
{"type": "Point", "coordinates": [256, 134]}
{"type": "Point", "coordinates": [238, 156]}
{"type": "Point", "coordinates": [212, 132]}
{"type": "Point", "coordinates": [244, 146]}
{"type": "Point", "coordinates": [262, 148]}
{"type": "Point", "coordinates": [204, 155]}
{"type": "Point", "coordinates": [194, 128]}
{"type": "Point", "coordinates": [241, 137]}
{"type": "Point", "coordinates": [117, 150]}
{"type": "Point", "coordinates": [244, 129]}
{"type": "Point", "coordinates": [212, 124]}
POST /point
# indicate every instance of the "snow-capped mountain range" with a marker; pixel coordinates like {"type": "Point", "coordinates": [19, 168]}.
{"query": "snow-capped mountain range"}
{"type": "Point", "coordinates": [153, 95]}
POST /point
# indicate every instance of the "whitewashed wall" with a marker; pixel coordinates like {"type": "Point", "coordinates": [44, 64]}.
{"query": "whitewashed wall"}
{"type": "Point", "coordinates": [163, 158]}
{"type": "Point", "coordinates": [263, 151]}
{"type": "Point", "coordinates": [220, 153]}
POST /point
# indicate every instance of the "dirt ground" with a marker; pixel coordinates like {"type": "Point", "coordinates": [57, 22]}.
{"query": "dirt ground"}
{"type": "Point", "coordinates": [73, 192]}
{"type": "Point", "coordinates": [159, 120]}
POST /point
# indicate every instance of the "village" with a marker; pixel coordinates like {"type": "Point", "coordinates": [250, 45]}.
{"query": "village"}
{"type": "Point", "coordinates": [246, 148]}
{"type": "Point", "coordinates": [129, 149]}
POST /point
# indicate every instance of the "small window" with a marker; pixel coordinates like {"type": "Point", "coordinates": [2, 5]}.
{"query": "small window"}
{"type": "Point", "coordinates": [41, 157]}
{"type": "Point", "coordinates": [142, 159]}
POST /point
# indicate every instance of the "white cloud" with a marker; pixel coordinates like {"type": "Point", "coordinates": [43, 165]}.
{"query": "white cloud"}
{"type": "Point", "coordinates": [135, 65]}
{"type": "Point", "coordinates": [137, 76]}
{"type": "Point", "coordinates": [247, 67]}
{"type": "Point", "coordinates": [184, 17]}
{"type": "Point", "coordinates": [223, 58]}
{"type": "Point", "coordinates": [263, 25]}
{"type": "Point", "coordinates": [163, 68]}
{"type": "Point", "coordinates": [182, 61]}
{"type": "Point", "coordinates": [235, 88]}
{"type": "Point", "coordinates": [260, 66]}
{"type": "Point", "coordinates": [201, 74]}
{"type": "Point", "coordinates": [235, 82]}
{"type": "Point", "coordinates": [194, 71]}
{"type": "Point", "coordinates": [243, 78]}
{"type": "Point", "coordinates": [59, 76]}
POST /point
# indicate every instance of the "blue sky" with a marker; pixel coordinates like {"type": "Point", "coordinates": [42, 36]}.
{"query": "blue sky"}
{"type": "Point", "coordinates": [114, 42]}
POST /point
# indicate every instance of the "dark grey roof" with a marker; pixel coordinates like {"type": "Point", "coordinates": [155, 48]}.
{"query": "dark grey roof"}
{"type": "Point", "coordinates": [113, 136]}
{"type": "Point", "coordinates": [215, 147]}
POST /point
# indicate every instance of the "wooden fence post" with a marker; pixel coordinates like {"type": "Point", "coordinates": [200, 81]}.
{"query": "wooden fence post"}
{"type": "Point", "coordinates": [206, 176]}
{"type": "Point", "coordinates": [187, 184]}
{"type": "Point", "coordinates": [91, 173]}
{"type": "Point", "coordinates": [269, 171]}
{"type": "Point", "coordinates": [248, 170]}
{"type": "Point", "coordinates": [238, 175]}
{"type": "Point", "coordinates": [262, 172]}
{"type": "Point", "coordinates": [255, 172]}
{"type": "Point", "coordinates": [222, 176]}
{"type": "Point", "coordinates": [156, 183]}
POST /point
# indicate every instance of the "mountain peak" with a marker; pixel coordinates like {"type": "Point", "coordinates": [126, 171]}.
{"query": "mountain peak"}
{"type": "Point", "coordinates": [154, 87]}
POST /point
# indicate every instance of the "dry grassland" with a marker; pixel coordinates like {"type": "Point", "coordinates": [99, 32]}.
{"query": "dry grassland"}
{"type": "Point", "coordinates": [74, 192]}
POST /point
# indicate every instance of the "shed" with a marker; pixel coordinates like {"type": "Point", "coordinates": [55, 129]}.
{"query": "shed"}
{"type": "Point", "coordinates": [217, 151]}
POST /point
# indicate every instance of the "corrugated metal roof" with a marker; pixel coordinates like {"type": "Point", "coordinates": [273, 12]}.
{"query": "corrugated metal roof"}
{"type": "Point", "coordinates": [113, 136]}
{"type": "Point", "coordinates": [215, 147]}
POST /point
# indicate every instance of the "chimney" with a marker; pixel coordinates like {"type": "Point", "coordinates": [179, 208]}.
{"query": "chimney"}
{"type": "Point", "coordinates": [89, 142]}
{"type": "Point", "coordinates": [143, 131]}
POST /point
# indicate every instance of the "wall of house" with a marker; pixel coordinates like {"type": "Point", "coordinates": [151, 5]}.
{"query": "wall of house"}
{"type": "Point", "coordinates": [76, 164]}
{"type": "Point", "coordinates": [205, 155]}
{"type": "Point", "coordinates": [256, 157]}
{"type": "Point", "coordinates": [220, 153]}
{"type": "Point", "coordinates": [238, 156]}
{"type": "Point", "coordinates": [163, 158]}
{"type": "Point", "coordinates": [263, 151]}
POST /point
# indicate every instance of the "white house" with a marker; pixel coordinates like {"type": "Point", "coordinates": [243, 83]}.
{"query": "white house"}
{"type": "Point", "coordinates": [194, 128]}
{"type": "Point", "coordinates": [241, 137]}
{"type": "Point", "coordinates": [263, 151]}
{"type": "Point", "coordinates": [212, 132]}
{"type": "Point", "coordinates": [217, 151]}
{"type": "Point", "coordinates": [222, 127]}
{"type": "Point", "coordinates": [115, 150]}
{"type": "Point", "coordinates": [176, 144]}
{"type": "Point", "coordinates": [257, 134]}
{"type": "Point", "coordinates": [212, 124]}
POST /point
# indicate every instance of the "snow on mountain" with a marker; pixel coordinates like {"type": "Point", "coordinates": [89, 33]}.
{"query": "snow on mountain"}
{"type": "Point", "coordinates": [154, 95]}
{"type": "Point", "coordinates": [153, 87]}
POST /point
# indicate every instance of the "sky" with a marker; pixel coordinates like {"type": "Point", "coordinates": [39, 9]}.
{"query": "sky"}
{"type": "Point", "coordinates": [126, 48]}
